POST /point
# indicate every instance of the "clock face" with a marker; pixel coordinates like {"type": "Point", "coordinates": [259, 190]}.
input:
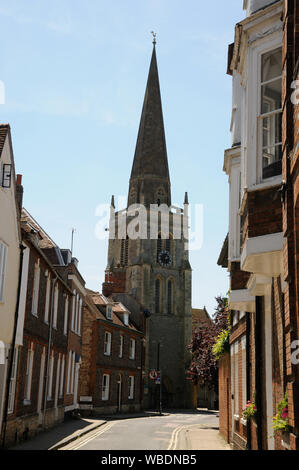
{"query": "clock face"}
{"type": "Point", "coordinates": [164, 258]}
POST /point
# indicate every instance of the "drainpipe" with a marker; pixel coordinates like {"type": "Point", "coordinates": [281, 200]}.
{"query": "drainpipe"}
{"type": "Point", "coordinates": [258, 368]}
{"type": "Point", "coordinates": [13, 344]}
{"type": "Point", "coordinates": [248, 374]}
{"type": "Point", "coordinates": [49, 349]}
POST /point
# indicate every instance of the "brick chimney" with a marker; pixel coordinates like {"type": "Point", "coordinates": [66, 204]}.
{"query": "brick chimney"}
{"type": "Point", "coordinates": [19, 193]}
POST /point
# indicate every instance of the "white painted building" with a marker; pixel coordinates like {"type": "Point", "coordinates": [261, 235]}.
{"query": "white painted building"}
{"type": "Point", "coordinates": [9, 254]}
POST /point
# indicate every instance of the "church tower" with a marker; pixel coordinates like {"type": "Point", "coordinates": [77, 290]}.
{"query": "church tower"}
{"type": "Point", "coordinates": [154, 268]}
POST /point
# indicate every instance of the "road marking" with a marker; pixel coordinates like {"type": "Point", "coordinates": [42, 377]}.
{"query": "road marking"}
{"type": "Point", "coordinates": [174, 438]}
{"type": "Point", "coordinates": [90, 437]}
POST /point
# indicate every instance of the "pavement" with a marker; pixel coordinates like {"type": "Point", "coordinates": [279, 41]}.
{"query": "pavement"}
{"type": "Point", "coordinates": [187, 437]}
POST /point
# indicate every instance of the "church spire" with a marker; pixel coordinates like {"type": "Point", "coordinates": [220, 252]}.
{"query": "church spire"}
{"type": "Point", "coordinates": [149, 180]}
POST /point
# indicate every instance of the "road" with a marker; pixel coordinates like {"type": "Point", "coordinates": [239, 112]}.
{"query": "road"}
{"type": "Point", "coordinates": [167, 432]}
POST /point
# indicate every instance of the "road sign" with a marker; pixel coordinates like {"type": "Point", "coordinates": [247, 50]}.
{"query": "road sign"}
{"type": "Point", "coordinates": [153, 375]}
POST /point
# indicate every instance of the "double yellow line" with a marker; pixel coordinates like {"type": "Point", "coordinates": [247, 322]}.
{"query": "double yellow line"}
{"type": "Point", "coordinates": [90, 436]}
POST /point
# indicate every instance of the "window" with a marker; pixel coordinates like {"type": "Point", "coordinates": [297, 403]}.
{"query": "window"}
{"type": "Point", "coordinates": [28, 373]}
{"type": "Point", "coordinates": [79, 316]}
{"type": "Point", "coordinates": [35, 293]}
{"type": "Point", "coordinates": [56, 296]}
{"type": "Point", "coordinates": [3, 257]}
{"type": "Point", "coordinates": [107, 344]}
{"type": "Point", "coordinates": [105, 387]}
{"type": "Point", "coordinates": [47, 303]}
{"type": "Point", "coordinates": [68, 385]}
{"type": "Point", "coordinates": [66, 312]}
{"type": "Point", "coordinates": [126, 319]}
{"type": "Point", "coordinates": [50, 383]}
{"type": "Point", "coordinates": [61, 385]}
{"type": "Point", "coordinates": [157, 295]}
{"type": "Point", "coordinates": [12, 385]}
{"type": "Point", "coordinates": [132, 349]}
{"type": "Point", "coordinates": [109, 312]}
{"type": "Point", "coordinates": [131, 387]}
{"type": "Point", "coordinates": [121, 346]}
{"type": "Point", "coordinates": [271, 113]}
{"type": "Point", "coordinates": [73, 310]}
{"type": "Point", "coordinates": [6, 175]}
{"type": "Point", "coordinates": [169, 297]}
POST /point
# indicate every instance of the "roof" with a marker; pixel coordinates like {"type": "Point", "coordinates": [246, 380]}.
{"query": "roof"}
{"type": "Point", "coordinates": [4, 129]}
{"type": "Point", "coordinates": [223, 257]}
{"type": "Point", "coordinates": [29, 223]}
{"type": "Point", "coordinates": [117, 310]}
{"type": "Point", "coordinates": [201, 317]}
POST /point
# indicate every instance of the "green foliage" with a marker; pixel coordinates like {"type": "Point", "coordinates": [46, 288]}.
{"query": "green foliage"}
{"type": "Point", "coordinates": [221, 345]}
{"type": "Point", "coordinates": [249, 411]}
{"type": "Point", "coordinates": [281, 420]}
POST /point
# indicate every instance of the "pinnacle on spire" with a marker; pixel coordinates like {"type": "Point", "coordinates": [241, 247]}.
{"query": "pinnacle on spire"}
{"type": "Point", "coordinates": [112, 202]}
{"type": "Point", "coordinates": [186, 200]}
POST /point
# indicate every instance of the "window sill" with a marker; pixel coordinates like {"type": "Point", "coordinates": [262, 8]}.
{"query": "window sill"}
{"type": "Point", "coordinates": [243, 421]}
{"type": "Point", "coordinates": [107, 354]}
{"type": "Point", "coordinates": [27, 402]}
{"type": "Point", "coordinates": [268, 183]}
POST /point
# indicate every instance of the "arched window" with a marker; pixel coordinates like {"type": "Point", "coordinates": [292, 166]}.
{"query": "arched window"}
{"type": "Point", "coordinates": [157, 295]}
{"type": "Point", "coordinates": [169, 297]}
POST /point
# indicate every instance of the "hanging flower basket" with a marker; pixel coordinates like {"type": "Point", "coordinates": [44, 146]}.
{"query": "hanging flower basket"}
{"type": "Point", "coordinates": [249, 411]}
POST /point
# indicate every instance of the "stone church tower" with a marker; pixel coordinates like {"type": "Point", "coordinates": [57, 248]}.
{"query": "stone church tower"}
{"type": "Point", "coordinates": [155, 270]}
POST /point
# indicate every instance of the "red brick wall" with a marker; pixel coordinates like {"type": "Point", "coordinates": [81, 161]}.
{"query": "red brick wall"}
{"type": "Point", "coordinates": [224, 396]}
{"type": "Point", "coordinates": [238, 278]}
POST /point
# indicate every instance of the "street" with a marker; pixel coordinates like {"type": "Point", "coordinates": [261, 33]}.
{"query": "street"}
{"type": "Point", "coordinates": [171, 431]}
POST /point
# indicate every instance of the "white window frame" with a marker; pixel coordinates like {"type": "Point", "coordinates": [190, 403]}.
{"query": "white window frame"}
{"type": "Point", "coordinates": [109, 312]}
{"type": "Point", "coordinates": [79, 316]}
{"type": "Point", "coordinates": [50, 375]}
{"type": "Point", "coordinates": [55, 310]}
{"type": "Point", "coordinates": [105, 387]}
{"type": "Point", "coordinates": [66, 314]}
{"type": "Point", "coordinates": [121, 346]}
{"type": "Point", "coordinates": [73, 309]}
{"type": "Point", "coordinates": [35, 291]}
{"type": "Point", "coordinates": [252, 165]}
{"type": "Point", "coordinates": [48, 293]}
{"type": "Point", "coordinates": [28, 374]}
{"type": "Point", "coordinates": [3, 258]}
{"type": "Point", "coordinates": [131, 387]}
{"type": "Point", "coordinates": [260, 116]}
{"type": "Point", "coordinates": [61, 384]}
{"type": "Point", "coordinates": [13, 380]}
{"type": "Point", "coordinates": [107, 343]}
{"type": "Point", "coordinates": [132, 348]}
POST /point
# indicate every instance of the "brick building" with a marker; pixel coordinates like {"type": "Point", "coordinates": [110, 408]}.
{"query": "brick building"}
{"type": "Point", "coordinates": [262, 166]}
{"type": "Point", "coordinates": [111, 376]}
{"type": "Point", "coordinates": [45, 372]}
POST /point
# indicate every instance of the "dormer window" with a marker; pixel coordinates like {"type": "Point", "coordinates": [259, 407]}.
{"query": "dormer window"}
{"type": "Point", "coordinates": [126, 319]}
{"type": "Point", "coordinates": [109, 312]}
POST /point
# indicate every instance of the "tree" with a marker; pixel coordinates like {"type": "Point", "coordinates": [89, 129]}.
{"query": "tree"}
{"type": "Point", "coordinates": [204, 369]}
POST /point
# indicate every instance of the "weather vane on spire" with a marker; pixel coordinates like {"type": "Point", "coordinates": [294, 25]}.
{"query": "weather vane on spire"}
{"type": "Point", "coordinates": [154, 37]}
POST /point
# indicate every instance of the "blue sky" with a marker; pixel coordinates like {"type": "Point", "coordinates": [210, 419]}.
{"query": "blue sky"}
{"type": "Point", "coordinates": [75, 75]}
